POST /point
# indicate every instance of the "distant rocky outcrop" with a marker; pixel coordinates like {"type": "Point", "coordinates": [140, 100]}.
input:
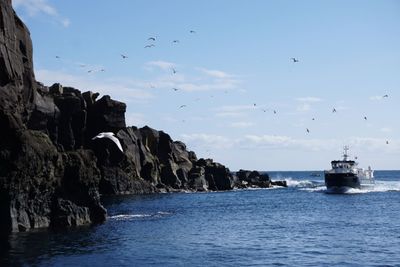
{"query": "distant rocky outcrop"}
{"type": "Point", "coordinates": [51, 171]}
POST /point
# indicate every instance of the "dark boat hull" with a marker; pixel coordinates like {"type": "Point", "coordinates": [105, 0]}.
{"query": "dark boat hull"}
{"type": "Point", "coordinates": [341, 181]}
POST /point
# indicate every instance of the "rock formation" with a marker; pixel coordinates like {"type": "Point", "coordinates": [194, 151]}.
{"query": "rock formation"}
{"type": "Point", "coordinates": [51, 171]}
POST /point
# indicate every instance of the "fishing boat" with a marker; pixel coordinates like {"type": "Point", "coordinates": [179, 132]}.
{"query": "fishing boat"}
{"type": "Point", "coordinates": [345, 174]}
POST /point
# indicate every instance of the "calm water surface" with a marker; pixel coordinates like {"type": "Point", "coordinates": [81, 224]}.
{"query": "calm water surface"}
{"type": "Point", "coordinates": [296, 226]}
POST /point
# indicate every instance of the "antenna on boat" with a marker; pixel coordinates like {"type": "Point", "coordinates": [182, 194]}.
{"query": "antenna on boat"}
{"type": "Point", "coordinates": [345, 150]}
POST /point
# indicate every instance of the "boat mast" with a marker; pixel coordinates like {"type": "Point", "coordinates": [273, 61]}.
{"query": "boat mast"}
{"type": "Point", "coordinates": [345, 155]}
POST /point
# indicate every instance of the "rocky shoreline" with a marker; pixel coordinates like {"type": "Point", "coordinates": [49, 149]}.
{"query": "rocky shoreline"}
{"type": "Point", "coordinates": [52, 173]}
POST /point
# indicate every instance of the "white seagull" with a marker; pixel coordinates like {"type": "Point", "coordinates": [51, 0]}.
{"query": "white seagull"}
{"type": "Point", "coordinates": [111, 136]}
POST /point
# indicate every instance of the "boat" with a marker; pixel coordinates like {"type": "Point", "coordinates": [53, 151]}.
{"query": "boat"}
{"type": "Point", "coordinates": [345, 174]}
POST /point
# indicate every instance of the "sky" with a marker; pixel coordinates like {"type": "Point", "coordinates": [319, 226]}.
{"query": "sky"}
{"type": "Point", "coordinates": [220, 76]}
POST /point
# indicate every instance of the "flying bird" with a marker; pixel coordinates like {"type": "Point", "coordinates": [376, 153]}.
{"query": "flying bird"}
{"type": "Point", "coordinates": [385, 96]}
{"type": "Point", "coordinates": [151, 39]}
{"type": "Point", "coordinates": [295, 60]}
{"type": "Point", "coordinates": [57, 57]}
{"type": "Point", "coordinates": [124, 56]}
{"type": "Point", "coordinates": [182, 106]}
{"type": "Point", "coordinates": [365, 117]}
{"type": "Point", "coordinates": [111, 136]}
{"type": "Point", "coordinates": [175, 89]}
{"type": "Point", "coordinates": [308, 131]}
{"type": "Point", "coordinates": [192, 31]}
{"type": "Point", "coordinates": [333, 110]}
{"type": "Point", "coordinates": [174, 71]}
{"type": "Point", "coordinates": [149, 46]}
{"type": "Point", "coordinates": [387, 142]}
{"type": "Point", "coordinates": [254, 104]}
{"type": "Point", "coordinates": [274, 111]}
{"type": "Point", "coordinates": [175, 41]}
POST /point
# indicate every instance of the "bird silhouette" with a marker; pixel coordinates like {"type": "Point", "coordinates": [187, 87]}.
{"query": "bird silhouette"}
{"type": "Point", "coordinates": [182, 106]}
{"type": "Point", "coordinates": [149, 46]}
{"type": "Point", "coordinates": [175, 89]}
{"type": "Point", "coordinates": [174, 71]}
{"type": "Point", "coordinates": [308, 131]}
{"type": "Point", "coordinates": [385, 96]}
{"type": "Point", "coordinates": [175, 41]}
{"type": "Point", "coordinates": [151, 39]}
{"type": "Point", "coordinates": [58, 57]}
{"type": "Point", "coordinates": [295, 60]}
{"type": "Point", "coordinates": [387, 142]}
{"type": "Point", "coordinates": [365, 117]}
{"type": "Point", "coordinates": [313, 119]}
{"type": "Point", "coordinates": [124, 56]}
{"type": "Point", "coordinates": [274, 111]}
{"type": "Point", "coordinates": [333, 110]}
{"type": "Point", "coordinates": [111, 136]}
{"type": "Point", "coordinates": [192, 31]}
{"type": "Point", "coordinates": [254, 104]}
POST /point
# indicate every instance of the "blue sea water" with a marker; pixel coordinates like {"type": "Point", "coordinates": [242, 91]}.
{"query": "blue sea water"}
{"type": "Point", "coordinates": [296, 226]}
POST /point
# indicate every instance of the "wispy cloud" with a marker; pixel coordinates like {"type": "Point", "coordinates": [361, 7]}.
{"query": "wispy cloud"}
{"type": "Point", "coordinates": [216, 73]}
{"type": "Point", "coordinates": [39, 7]}
{"type": "Point", "coordinates": [241, 124]}
{"type": "Point", "coordinates": [164, 65]}
{"type": "Point", "coordinates": [233, 111]}
{"type": "Point", "coordinates": [208, 140]}
{"type": "Point", "coordinates": [127, 90]}
{"type": "Point", "coordinates": [309, 99]}
{"type": "Point", "coordinates": [306, 102]}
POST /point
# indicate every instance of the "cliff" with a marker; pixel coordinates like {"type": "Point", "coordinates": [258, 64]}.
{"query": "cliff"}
{"type": "Point", "coordinates": [51, 171]}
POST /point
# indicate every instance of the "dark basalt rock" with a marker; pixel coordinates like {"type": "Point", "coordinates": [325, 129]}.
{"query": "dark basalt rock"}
{"type": "Point", "coordinates": [51, 171]}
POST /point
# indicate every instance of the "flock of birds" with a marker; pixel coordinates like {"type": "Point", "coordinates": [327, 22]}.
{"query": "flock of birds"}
{"type": "Point", "coordinates": [152, 43]}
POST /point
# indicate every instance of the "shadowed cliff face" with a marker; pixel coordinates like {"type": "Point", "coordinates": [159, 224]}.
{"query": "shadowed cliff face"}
{"type": "Point", "coordinates": [17, 80]}
{"type": "Point", "coordinates": [51, 170]}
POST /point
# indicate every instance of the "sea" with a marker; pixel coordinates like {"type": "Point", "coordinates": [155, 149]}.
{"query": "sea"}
{"type": "Point", "coordinates": [301, 225]}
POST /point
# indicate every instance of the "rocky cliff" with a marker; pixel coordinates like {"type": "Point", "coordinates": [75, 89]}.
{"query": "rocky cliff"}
{"type": "Point", "coordinates": [51, 171]}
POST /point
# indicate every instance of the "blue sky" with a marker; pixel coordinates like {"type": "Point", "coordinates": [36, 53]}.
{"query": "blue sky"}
{"type": "Point", "coordinates": [234, 71]}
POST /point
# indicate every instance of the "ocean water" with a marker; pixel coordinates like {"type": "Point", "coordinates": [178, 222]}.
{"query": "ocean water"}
{"type": "Point", "coordinates": [300, 225]}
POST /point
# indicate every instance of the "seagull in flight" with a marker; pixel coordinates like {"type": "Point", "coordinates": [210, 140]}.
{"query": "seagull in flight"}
{"type": "Point", "coordinates": [365, 117]}
{"type": "Point", "coordinates": [175, 89]}
{"type": "Point", "coordinates": [333, 110]}
{"type": "Point", "coordinates": [192, 31]}
{"type": "Point", "coordinates": [111, 136]}
{"type": "Point", "coordinates": [151, 39]}
{"type": "Point", "coordinates": [274, 111]}
{"type": "Point", "coordinates": [295, 60]}
{"type": "Point", "coordinates": [174, 71]}
{"type": "Point", "coordinates": [182, 106]}
{"type": "Point", "coordinates": [124, 56]}
{"type": "Point", "coordinates": [308, 131]}
{"type": "Point", "coordinates": [149, 46]}
{"type": "Point", "coordinates": [175, 41]}
{"type": "Point", "coordinates": [385, 96]}
{"type": "Point", "coordinates": [58, 57]}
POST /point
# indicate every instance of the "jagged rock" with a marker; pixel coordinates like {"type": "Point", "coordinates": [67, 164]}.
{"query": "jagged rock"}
{"type": "Point", "coordinates": [252, 178]}
{"type": "Point", "coordinates": [56, 89]}
{"type": "Point", "coordinates": [105, 115]}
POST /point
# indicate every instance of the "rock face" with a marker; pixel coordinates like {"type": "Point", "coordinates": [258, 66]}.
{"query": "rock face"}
{"type": "Point", "coordinates": [51, 171]}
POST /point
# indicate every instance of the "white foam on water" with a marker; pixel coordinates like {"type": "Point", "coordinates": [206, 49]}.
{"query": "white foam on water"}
{"type": "Point", "coordinates": [121, 217]}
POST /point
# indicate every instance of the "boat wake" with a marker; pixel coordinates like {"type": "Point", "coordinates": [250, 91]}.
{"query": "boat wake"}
{"type": "Point", "coordinates": [124, 217]}
{"type": "Point", "coordinates": [319, 186]}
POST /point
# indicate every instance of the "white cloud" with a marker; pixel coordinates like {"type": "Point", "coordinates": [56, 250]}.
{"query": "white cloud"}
{"type": "Point", "coordinates": [216, 73]}
{"type": "Point", "coordinates": [119, 89]}
{"type": "Point", "coordinates": [38, 7]}
{"type": "Point", "coordinates": [309, 99]}
{"type": "Point", "coordinates": [208, 140]}
{"type": "Point", "coordinates": [164, 65]}
{"type": "Point", "coordinates": [241, 124]}
{"type": "Point", "coordinates": [386, 130]}
{"type": "Point", "coordinates": [233, 111]}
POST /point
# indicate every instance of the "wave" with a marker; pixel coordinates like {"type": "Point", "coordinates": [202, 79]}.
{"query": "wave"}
{"type": "Point", "coordinates": [123, 217]}
{"type": "Point", "coordinates": [319, 186]}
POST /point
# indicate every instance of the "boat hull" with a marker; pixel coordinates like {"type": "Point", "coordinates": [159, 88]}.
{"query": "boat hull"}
{"type": "Point", "coordinates": [341, 181]}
